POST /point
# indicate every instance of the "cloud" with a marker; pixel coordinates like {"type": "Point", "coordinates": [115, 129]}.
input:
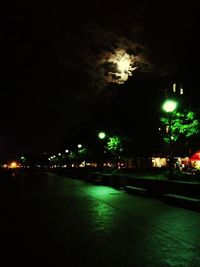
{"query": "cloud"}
{"type": "Point", "coordinates": [94, 53]}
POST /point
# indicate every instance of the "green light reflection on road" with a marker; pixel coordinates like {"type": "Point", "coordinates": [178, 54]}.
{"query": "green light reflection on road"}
{"type": "Point", "coordinates": [101, 192]}
{"type": "Point", "coordinates": [102, 219]}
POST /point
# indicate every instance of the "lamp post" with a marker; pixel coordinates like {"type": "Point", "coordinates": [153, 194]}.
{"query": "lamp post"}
{"type": "Point", "coordinates": [169, 106]}
{"type": "Point", "coordinates": [102, 136]}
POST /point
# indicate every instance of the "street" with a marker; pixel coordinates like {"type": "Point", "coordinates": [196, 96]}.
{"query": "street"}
{"type": "Point", "coordinates": [48, 220]}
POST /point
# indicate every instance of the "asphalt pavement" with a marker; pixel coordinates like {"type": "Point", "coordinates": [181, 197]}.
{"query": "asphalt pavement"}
{"type": "Point", "coordinates": [49, 220]}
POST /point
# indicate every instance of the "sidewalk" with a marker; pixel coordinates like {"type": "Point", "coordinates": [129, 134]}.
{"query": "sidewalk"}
{"type": "Point", "coordinates": [52, 220]}
{"type": "Point", "coordinates": [156, 185]}
{"type": "Point", "coordinates": [175, 192]}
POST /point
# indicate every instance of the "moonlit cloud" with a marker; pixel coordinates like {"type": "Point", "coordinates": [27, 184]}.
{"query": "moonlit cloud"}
{"type": "Point", "coordinates": [110, 58]}
{"type": "Point", "coordinates": [120, 66]}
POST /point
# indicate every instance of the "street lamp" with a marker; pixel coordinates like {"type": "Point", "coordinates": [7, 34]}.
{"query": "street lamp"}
{"type": "Point", "coordinates": [169, 106]}
{"type": "Point", "coordinates": [101, 135]}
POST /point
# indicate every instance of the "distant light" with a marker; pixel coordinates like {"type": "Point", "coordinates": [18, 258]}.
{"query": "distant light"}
{"type": "Point", "coordinates": [67, 150]}
{"type": "Point", "coordinates": [59, 154]}
{"type": "Point", "coordinates": [13, 165]}
{"type": "Point", "coordinates": [82, 164]}
{"type": "Point", "coordinates": [181, 90]}
{"type": "Point", "coordinates": [174, 87]}
{"type": "Point", "coordinates": [79, 145]}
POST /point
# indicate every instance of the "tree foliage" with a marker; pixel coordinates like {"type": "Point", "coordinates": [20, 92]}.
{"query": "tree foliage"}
{"type": "Point", "coordinates": [183, 124]}
{"type": "Point", "coordinates": [114, 144]}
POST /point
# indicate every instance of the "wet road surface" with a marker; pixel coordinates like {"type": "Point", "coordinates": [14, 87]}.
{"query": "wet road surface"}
{"type": "Point", "coordinates": [47, 220]}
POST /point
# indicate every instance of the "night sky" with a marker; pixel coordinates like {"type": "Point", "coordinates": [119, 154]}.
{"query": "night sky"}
{"type": "Point", "coordinates": [53, 75]}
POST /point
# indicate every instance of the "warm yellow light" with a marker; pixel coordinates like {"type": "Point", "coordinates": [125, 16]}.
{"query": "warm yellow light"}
{"type": "Point", "coordinates": [13, 165]}
{"type": "Point", "coordinates": [123, 63]}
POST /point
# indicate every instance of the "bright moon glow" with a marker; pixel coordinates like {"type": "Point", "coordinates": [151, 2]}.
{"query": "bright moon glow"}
{"type": "Point", "coordinates": [124, 66]}
{"type": "Point", "coordinates": [124, 63]}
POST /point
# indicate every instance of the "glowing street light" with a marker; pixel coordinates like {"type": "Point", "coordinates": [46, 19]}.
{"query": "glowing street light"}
{"type": "Point", "coordinates": [169, 106]}
{"type": "Point", "coordinates": [101, 135]}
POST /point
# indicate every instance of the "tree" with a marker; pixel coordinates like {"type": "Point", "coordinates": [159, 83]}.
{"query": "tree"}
{"type": "Point", "coordinates": [114, 145]}
{"type": "Point", "coordinates": [185, 127]}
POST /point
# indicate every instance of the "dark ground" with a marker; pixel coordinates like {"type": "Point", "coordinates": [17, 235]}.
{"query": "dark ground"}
{"type": "Point", "coordinates": [48, 220]}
